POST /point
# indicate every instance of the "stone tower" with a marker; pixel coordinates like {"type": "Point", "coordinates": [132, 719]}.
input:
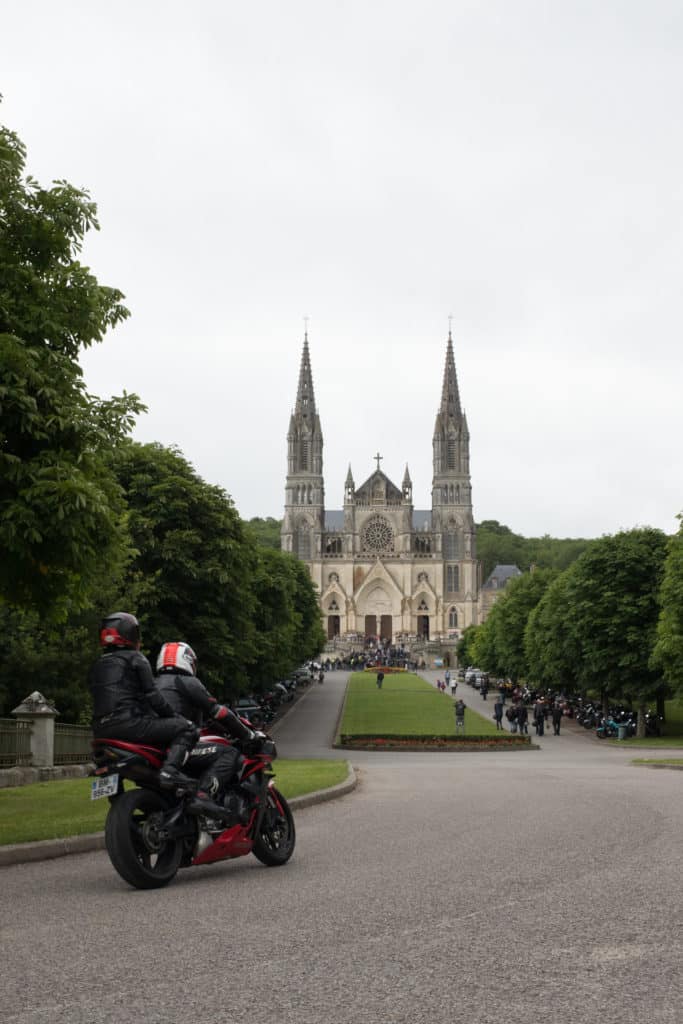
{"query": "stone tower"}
{"type": "Point", "coordinates": [304, 519]}
{"type": "Point", "coordinates": [452, 519]}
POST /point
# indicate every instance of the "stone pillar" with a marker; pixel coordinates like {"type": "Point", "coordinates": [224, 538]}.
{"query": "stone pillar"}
{"type": "Point", "coordinates": [41, 716]}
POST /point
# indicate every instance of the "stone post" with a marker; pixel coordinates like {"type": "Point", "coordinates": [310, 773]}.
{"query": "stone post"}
{"type": "Point", "coordinates": [41, 716]}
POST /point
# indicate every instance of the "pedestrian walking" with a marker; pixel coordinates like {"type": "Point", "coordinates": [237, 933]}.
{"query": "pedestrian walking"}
{"type": "Point", "coordinates": [460, 715]}
{"type": "Point", "coordinates": [498, 713]}
{"type": "Point", "coordinates": [511, 715]}
{"type": "Point", "coordinates": [557, 717]}
{"type": "Point", "coordinates": [539, 718]}
{"type": "Point", "coordinates": [380, 679]}
{"type": "Point", "coordinates": [522, 718]}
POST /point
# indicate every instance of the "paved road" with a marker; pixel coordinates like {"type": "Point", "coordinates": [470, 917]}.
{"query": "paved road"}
{"type": "Point", "coordinates": [469, 887]}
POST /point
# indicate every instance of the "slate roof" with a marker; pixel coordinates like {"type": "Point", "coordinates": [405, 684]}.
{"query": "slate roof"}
{"type": "Point", "coordinates": [501, 574]}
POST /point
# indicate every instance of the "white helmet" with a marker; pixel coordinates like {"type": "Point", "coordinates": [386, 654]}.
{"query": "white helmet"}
{"type": "Point", "coordinates": [177, 658]}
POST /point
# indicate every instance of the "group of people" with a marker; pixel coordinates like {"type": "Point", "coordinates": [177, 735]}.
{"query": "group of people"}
{"type": "Point", "coordinates": [518, 714]}
{"type": "Point", "coordinates": [449, 682]}
{"type": "Point", "coordinates": [167, 711]}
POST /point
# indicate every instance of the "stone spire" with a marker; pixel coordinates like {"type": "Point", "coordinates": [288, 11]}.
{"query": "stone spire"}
{"type": "Point", "coordinates": [450, 397]}
{"type": "Point", "coordinates": [349, 486]}
{"type": "Point", "coordinates": [304, 520]}
{"type": "Point", "coordinates": [305, 397]}
{"type": "Point", "coordinates": [407, 485]}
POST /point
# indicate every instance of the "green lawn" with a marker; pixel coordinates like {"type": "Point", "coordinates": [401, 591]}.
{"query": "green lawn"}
{"type": "Point", "coordinates": [658, 760]}
{"type": "Point", "coordinates": [51, 810]}
{"type": "Point", "coordinates": [405, 706]}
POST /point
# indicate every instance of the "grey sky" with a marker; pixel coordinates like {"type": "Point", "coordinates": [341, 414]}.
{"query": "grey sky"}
{"type": "Point", "coordinates": [378, 166]}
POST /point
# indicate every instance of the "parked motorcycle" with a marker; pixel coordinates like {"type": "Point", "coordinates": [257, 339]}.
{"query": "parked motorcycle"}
{"type": "Point", "coordinates": [150, 833]}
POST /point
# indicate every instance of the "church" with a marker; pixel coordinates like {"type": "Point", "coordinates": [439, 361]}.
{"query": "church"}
{"type": "Point", "coordinates": [382, 567]}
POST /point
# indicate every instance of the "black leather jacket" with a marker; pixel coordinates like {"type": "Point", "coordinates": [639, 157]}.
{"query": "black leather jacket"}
{"type": "Point", "coordinates": [122, 686]}
{"type": "Point", "coordinates": [190, 698]}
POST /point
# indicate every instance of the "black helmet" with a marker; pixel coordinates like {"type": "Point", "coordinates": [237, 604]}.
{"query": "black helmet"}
{"type": "Point", "coordinates": [119, 630]}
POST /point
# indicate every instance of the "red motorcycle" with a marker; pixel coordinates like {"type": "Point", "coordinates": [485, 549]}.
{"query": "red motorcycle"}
{"type": "Point", "coordinates": [150, 832]}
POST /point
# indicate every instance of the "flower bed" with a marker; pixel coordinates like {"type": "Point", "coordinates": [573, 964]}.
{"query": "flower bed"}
{"type": "Point", "coordinates": [387, 669]}
{"type": "Point", "coordinates": [459, 742]}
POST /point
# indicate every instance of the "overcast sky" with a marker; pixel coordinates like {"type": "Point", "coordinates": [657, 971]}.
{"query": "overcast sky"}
{"type": "Point", "coordinates": [378, 166]}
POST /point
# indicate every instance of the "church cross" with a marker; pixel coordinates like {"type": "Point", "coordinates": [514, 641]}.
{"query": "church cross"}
{"type": "Point", "coordinates": [379, 459]}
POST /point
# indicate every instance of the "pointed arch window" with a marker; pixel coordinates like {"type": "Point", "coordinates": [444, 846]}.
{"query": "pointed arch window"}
{"type": "Point", "coordinates": [450, 545]}
{"type": "Point", "coordinates": [453, 618]}
{"type": "Point", "coordinates": [452, 579]}
{"type": "Point", "coordinates": [303, 541]}
{"type": "Point", "coordinates": [304, 453]}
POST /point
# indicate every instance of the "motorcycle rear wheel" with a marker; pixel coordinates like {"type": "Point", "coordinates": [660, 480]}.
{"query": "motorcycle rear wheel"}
{"type": "Point", "coordinates": [141, 857]}
{"type": "Point", "coordinates": [274, 844]}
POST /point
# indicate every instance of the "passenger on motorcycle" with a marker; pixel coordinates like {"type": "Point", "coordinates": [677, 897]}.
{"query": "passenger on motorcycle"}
{"type": "Point", "coordinates": [216, 765]}
{"type": "Point", "coordinates": [126, 703]}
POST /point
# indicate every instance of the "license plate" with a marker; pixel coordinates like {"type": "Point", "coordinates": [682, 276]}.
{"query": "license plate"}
{"type": "Point", "coordinates": [108, 786]}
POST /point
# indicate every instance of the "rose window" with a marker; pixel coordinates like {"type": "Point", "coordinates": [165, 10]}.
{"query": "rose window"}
{"type": "Point", "coordinates": [378, 535]}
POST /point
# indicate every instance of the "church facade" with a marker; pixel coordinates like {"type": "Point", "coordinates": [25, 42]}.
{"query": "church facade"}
{"type": "Point", "coordinates": [382, 567]}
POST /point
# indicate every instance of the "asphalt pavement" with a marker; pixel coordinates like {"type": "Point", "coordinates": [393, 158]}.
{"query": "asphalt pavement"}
{"type": "Point", "coordinates": [447, 887]}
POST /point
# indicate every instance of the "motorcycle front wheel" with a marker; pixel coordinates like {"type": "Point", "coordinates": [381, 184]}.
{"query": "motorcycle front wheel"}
{"type": "Point", "coordinates": [274, 843]}
{"type": "Point", "coordinates": [135, 845]}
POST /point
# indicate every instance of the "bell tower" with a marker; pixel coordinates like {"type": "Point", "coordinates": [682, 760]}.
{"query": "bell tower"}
{"type": "Point", "coordinates": [304, 518]}
{"type": "Point", "coordinates": [452, 518]}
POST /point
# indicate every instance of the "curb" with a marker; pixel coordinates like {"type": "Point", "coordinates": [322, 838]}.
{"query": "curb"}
{"type": "Point", "coordinates": [48, 849]}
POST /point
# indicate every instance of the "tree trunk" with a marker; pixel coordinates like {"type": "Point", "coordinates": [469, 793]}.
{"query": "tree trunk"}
{"type": "Point", "coordinates": [640, 732]}
{"type": "Point", "coordinates": [661, 707]}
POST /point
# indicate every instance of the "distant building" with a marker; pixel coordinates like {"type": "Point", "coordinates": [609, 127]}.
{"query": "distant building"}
{"type": "Point", "coordinates": [494, 585]}
{"type": "Point", "coordinates": [382, 567]}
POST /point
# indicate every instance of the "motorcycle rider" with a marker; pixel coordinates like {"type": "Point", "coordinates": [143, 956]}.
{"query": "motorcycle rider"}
{"type": "Point", "coordinates": [176, 681]}
{"type": "Point", "coordinates": [126, 703]}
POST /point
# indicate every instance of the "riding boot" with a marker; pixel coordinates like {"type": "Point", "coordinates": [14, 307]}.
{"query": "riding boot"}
{"type": "Point", "coordinates": [170, 774]}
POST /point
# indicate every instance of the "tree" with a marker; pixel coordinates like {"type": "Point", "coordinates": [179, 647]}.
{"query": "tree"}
{"type": "Point", "coordinates": [509, 617]}
{"type": "Point", "coordinates": [287, 617]}
{"type": "Point", "coordinates": [60, 507]}
{"type": "Point", "coordinates": [551, 650]}
{"type": "Point", "coordinates": [612, 591]}
{"type": "Point", "coordinates": [668, 651]}
{"type": "Point", "coordinates": [464, 646]}
{"type": "Point", "coordinates": [266, 531]}
{"type": "Point", "coordinates": [191, 577]}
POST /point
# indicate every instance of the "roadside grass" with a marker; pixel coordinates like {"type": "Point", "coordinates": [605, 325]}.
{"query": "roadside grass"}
{"type": "Point", "coordinates": [657, 760]}
{"type": "Point", "coordinates": [55, 810]}
{"type": "Point", "coordinates": [406, 705]}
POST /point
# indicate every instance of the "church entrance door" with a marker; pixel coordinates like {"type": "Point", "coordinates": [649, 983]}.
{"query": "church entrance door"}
{"type": "Point", "coordinates": [385, 627]}
{"type": "Point", "coordinates": [423, 626]}
{"type": "Point", "coordinates": [371, 625]}
{"type": "Point", "coordinates": [332, 626]}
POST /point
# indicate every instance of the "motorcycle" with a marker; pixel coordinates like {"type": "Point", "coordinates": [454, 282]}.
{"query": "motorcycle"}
{"type": "Point", "coordinates": [150, 832]}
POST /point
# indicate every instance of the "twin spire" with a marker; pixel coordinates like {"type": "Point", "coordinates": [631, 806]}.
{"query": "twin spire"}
{"type": "Point", "coordinates": [450, 396]}
{"type": "Point", "coordinates": [305, 398]}
{"type": "Point", "coordinates": [449, 409]}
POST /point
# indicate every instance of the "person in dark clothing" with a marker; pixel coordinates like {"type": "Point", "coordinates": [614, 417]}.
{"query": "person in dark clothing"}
{"type": "Point", "coordinates": [380, 679]}
{"type": "Point", "coordinates": [498, 710]}
{"type": "Point", "coordinates": [557, 717]}
{"type": "Point", "coordinates": [127, 704]}
{"type": "Point", "coordinates": [522, 717]}
{"type": "Point", "coordinates": [539, 717]}
{"type": "Point", "coordinates": [215, 764]}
